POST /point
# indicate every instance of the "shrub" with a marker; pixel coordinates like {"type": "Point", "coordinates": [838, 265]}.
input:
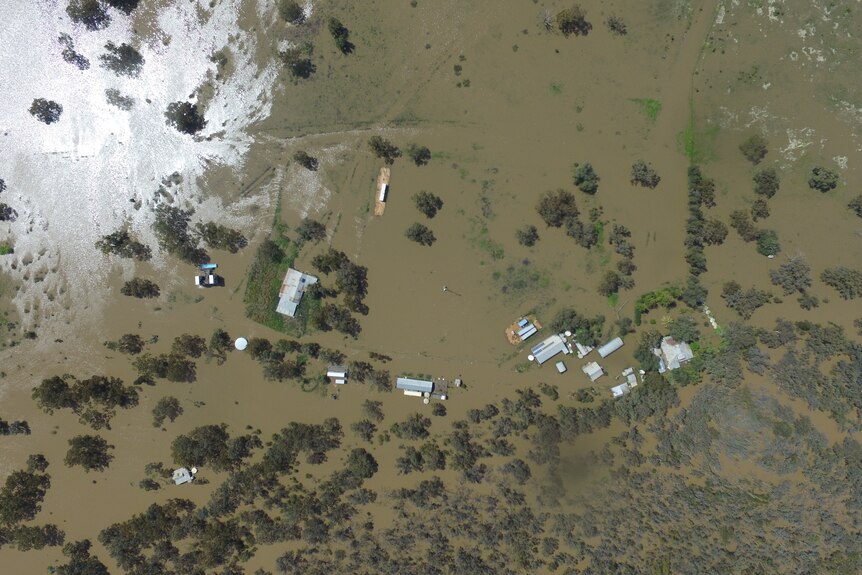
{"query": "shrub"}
{"type": "Point", "coordinates": [221, 237]}
{"type": "Point", "coordinates": [185, 117]}
{"type": "Point", "coordinates": [822, 179]}
{"type": "Point", "coordinates": [766, 182]}
{"type": "Point", "coordinates": [298, 62]}
{"type": "Point", "coordinates": [557, 208]}
{"type": "Point", "coordinates": [616, 26]}
{"type": "Point", "coordinates": [793, 275]}
{"type": "Point", "coordinates": [341, 35]}
{"type": "Point", "coordinates": [123, 60]}
{"type": "Point", "coordinates": [384, 149]}
{"type": "Point", "coordinates": [586, 178]}
{"type": "Point", "coordinates": [644, 175]}
{"type": "Point", "coordinates": [754, 148]}
{"type": "Point", "coordinates": [427, 203]}
{"type": "Point", "coordinates": [420, 234]}
{"type": "Point", "coordinates": [856, 205]}
{"type": "Point", "coordinates": [90, 13]}
{"type": "Point", "coordinates": [848, 282]}
{"type": "Point", "coordinates": [767, 243]}
{"type": "Point", "coordinates": [527, 236]}
{"type": "Point", "coordinates": [420, 155]}
{"type": "Point", "coordinates": [90, 452]}
{"type": "Point", "coordinates": [140, 288]}
{"type": "Point", "coordinates": [573, 21]}
{"type": "Point", "coordinates": [46, 111]}
{"type": "Point", "coordinates": [290, 11]}
{"type": "Point", "coordinates": [120, 243]}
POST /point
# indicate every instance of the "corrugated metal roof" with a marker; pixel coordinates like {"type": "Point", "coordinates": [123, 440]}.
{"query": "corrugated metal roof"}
{"type": "Point", "coordinates": [294, 284]}
{"type": "Point", "coordinates": [410, 384]}
{"type": "Point", "coordinates": [610, 347]}
{"type": "Point", "coordinates": [549, 348]}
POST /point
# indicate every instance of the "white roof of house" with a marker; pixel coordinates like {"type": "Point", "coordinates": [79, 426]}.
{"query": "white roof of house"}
{"type": "Point", "coordinates": [561, 367]}
{"type": "Point", "coordinates": [549, 348]}
{"type": "Point", "coordinates": [182, 475]}
{"type": "Point", "coordinates": [294, 284]}
{"type": "Point", "coordinates": [593, 370]}
{"type": "Point", "coordinates": [673, 353]}
{"type": "Point", "coordinates": [620, 390]}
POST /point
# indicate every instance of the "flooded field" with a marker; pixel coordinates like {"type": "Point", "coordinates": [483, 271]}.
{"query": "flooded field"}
{"type": "Point", "coordinates": [747, 462]}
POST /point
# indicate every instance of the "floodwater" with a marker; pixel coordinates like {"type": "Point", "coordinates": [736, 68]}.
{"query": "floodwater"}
{"type": "Point", "coordinates": [529, 105]}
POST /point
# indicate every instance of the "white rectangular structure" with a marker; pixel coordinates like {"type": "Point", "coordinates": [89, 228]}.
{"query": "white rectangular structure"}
{"type": "Point", "coordinates": [549, 348]}
{"type": "Point", "coordinates": [593, 370]}
{"type": "Point", "coordinates": [583, 350]}
{"type": "Point", "coordinates": [610, 347]}
{"type": "Point", "coordinates": [384, 189]}
{"type": "Point", "coordinates": [418, 385]}
{"type": "Point", "coordinates": [561, 367]}
{"type": "Point", "coordinates": [412, 393]}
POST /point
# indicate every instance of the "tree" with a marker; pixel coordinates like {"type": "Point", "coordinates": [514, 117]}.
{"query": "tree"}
{"type": "Point", "coordinates": [220, 344]}
{"type": "Point", "coordinates": [427, 203]}
{"type": "Point", "coordinates": [856, 205]}
{"type": "Point", "coordinates": [46, 111]}
{"type": "Point", "coordinates": [190, 345]}
{"type": "Point", "coordinates": [130, 344]}
{"type": "Point", "coordinates": [744, 302]}
{"type": "Point", "coordinates": [644, 175]}
{"type": "Point", "coordinates": [341, 35]}
{"type": "Point", "coordinates": [361, 463]}
{"type": "Point", "coordinates": [420, 234]}
{"type": "Point", "coordinates": [298, 62]}
{"type": "Point", "coordinates": [384, 149]}
{"type": "Point", "coordinates": [302, 158]}
{"type": "Point", "coordinates": [573, 21]}
{"type": "Point", "coordinates": [204, 445]}
{"type": "Point", "coordinates": [587, 331]}
{"type": "Point", "coordinates": [90, 452]}
{"type": "Point", "coordinates": [167, 407]}
{"type": "Point", "coordinates": [741, 222]}
{"type": "Point", "coordinates": [822, 179]}
{"type": "Point", "coordinates": [766, 182]}
{"type": "Point", "coordinates": [221, 237]}
{"type": "Point", "coordinates": [586, 178]}
{"type": "Point", "coordinates": [848, 282]}
{"type": "Point", "coordinates": [291, 12]}
{"type": "Point", "coordinates": [793, 275]}
{"type": "Point", "coordinates": [754, 148]}
{"type": "Point", "coordinates": [420, 155]}
{"type": "Point", "coordinates": [611, 283]}
{"type": "Point", "coordinates": [120, 243]}
{"type": "Point", "coordinates": [310, 230]}
{"type": "Point", "coordinates": [140, 288]}
{"type": "Point", "coordinates": [643, 353]}
{"type": "Point", "coordinates": [557, 208]}
{"type": "Point", "coordinates": [684, 328]}
{"type": "Point", "coordinates": [127, 6]}
{"type": "Point", "coordinates": [364, 429]}
{"type": "Point", "coordinates": [54, 393]}
{"type": "Point", "coordinates": [185, 117]}
{"type": "Point", "coordinates": [123, 60]}
{"type": "Point", "coordinates": [616, 25]}
{"type": "Point", "coordinates": [767, 243]}
{"type": "Point", "coordinates": [759, 209]}
{"type": "Point", "coordinates": [80, 560]}
{"type": "Point", "coordinates": [171, 228]}
{"type": "Point", "coordinates": [373, 409]}
{"type": "Point", "coordinates": [714, 232]}
{"type": "Point", "coordinates": [90, 13]}
{"type": "Point", "coordinates": [527, 236]}
{"type": "Point", "coordinates": [22, 495]}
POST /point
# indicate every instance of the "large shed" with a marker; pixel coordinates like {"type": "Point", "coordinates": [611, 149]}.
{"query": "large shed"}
{"type": "Point", "coordinates": [610, 347]}
{"type": "Point", "coordinates": [410, 384]}
{"type": "Point", "coordinates": [549, 348]}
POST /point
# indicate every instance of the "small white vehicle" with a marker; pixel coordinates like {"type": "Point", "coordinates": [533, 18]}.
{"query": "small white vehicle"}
{"type": "Point", "coordinates": [205, 280]}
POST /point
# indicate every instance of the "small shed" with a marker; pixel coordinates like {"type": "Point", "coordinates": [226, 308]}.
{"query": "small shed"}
{"type": "Point", "coordinates": [182, 475]}
{"type": "Point", "coordinates": [610, 347]}
{"type": "Point", "coordinates": [620, 390]}
{"type": "Point", "coordinates": [561, 367]}
{"type": "Point", "coordinates": [337, 374]}
{"type": "Point", "coordinates": [593, 370]}
{"type": "Point", "coordinates": [384, 189]}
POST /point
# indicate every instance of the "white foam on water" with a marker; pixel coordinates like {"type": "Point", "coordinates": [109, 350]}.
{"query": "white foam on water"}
{"type": "Point", "coordinates": [72, 181]}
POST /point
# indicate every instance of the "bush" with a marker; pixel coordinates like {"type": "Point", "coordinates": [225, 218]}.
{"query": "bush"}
{"type": "Point", "coordinates": [140, 288]}
{"type": "Point", "coordinates": [586, 178]}
{"type": "Point", "coordinates": [120, 243]}
{"type": "Point", "coordinates": [420, 234]}
{"type": "Point", "coordinates": [848, 282]}
{"type": "Point", "coordinates": [420, 155]}
{"type": "Point", "coordinates": [573, 21]}
{"type": "Point", "coordinates": [856, 205]}
{"type": "Point", "coordinates": [557, 208]}
{"type": "Point", "coordinates": [46, 111]}
{"type": "Point", "coordinates": [302, 158]}
{"type": "Point", "coordinates": [766, 182]}
{"type": "Point", "coordinates": [167, 407]}
{"type": "Point", "coordinates": [90, 13]}
{"type": "Point", "coordinates": [184, 116]}
{"type": "Point", "coordinates": [767, 243]}
{"type": "Point", "coordinates": [384, 149]}
{"type": "Point", "coordinates": [341, 35]}
{"type": "Point", "coordinates": [822, 179]}
{"type": "Point", "coordinates": [427, 203]}
{"type": "Point", "coordinates": [221, 237]}
{"type": "Point", "coordinates": [290, 11]}
{"type": "Point", "coordinates": [644, 175]}
{"type": "Point", "coordinates": [793, 275]}
{"type": "Point", "coordinates": [616, 26]}
{"type": "Point", "coordinates": [89, 452]}
{"type": "Point", "coordinates": [527, 236]}
{"type": "Point", "coordinates": [298, 62]}
{"type": "Point", "coordinates": [123, 60]}
{"type": "Point", "coordinates": [754, 148]}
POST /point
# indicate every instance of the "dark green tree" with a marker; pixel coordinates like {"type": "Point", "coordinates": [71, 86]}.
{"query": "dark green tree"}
{"type": "Point", "coordinates": [120, 243]}
{"type": "Point", "coordinates": [644, 175]}
{"type": "Point", "coordinates": [190, 345]}
{"type": "Point", "coordinates": [766, 182]}
{"type": "Point", "coordinates": [420, 155]}
{"type": "Point", "coordinates": [361, 463]}
{"type": "Point", "coordinates": [714, 232]}
{"type": "Point", "coordinates": [557, 208]}
{"type": "Point", "coordinates": [22, 496]}
{"type": "Point", "coordinates": [759, 209]}
{"type": "Point", "coordinates": [80, 562]}
{"type": "Point", "coordinates": [684, 328]}
{"type": "Point", "coordinates": [140, 288]}
{"type": "Point", "coordinates": [221, 237]}
{"type": "Point", "coordinates": [420, 234]}
{"type": "Point", "coordinates": [767, 243]}
{"type": "Point", "coordinates": [427, 203]}
{"type": "Point", "coordinates": [573, 21]}
{"type": "Point", "coordinates": [90, 452]}
{"type": "Point", "coordinates": [527, 236]}
{"type": "Point", "coordinates": [167, 407]}
{"type": "Point", "coordinates": [384, 149]}
{"type": "Point", "coordinates": [46, 111]}
{"type": "Point", "coordinates": [822, 179]}
{"type": "Point", "coordinates": [586, 178]}
{"type": "Point", "coordinates": [290, 11]}
{"type": "Point", "coordinates": [341, 35]}
{"type": "Point", "coordinates": [754, 148]}
{"type": "Point", "coordinates": [298, 62]}
{"type": "Point", "coordinates": [185, 117]}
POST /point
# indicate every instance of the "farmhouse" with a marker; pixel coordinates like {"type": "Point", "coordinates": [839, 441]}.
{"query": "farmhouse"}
{"type": "Point", "coordinates": [549, 348]}
{"type": "Point", "coordinates": [294, 285]}
{"type": "Point", "coordinates": [672, 354]}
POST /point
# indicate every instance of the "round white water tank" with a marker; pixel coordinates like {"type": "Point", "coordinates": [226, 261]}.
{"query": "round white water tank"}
{"type": "Point", "coordinates": [241, 343]}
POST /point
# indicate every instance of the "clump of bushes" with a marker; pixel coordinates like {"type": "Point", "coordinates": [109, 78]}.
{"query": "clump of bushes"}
{"type": "Point", "coordinates": [644, 175]}
{"type": "Point", "coordinates": [384, 149]}
{"type": "Point", "coordinates": [754, 148]}
{"type": "Point", "coordinates": [120, 243]}
{"type": "Point", "coordinates": [421, 234]}
{"type": "Point", "coordinates": [140, 288]}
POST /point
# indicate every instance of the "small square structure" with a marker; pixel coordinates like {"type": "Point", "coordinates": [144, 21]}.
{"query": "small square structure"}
{"type": "Point", "coordinates": [182, 476]}
{"type": "Point", "coordinates": [337, 374]}
{"type": "Point", "coordinates": [294, 285]}
{"type": "Point", "coordinates": [561, 367]}
{"type": "Point", "coordinates": [593, 370]}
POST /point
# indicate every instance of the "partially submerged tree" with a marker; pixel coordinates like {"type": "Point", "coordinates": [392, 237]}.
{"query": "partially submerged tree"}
{"type": "Point", "coordinates": [759, 209]}
{"type": "Point", "coordinates": [527, 236]}
{"type": "Point", "coordinates": [384, 149]}
{"type": "Point", "coordinates": [616, 25]}
{"type": "Point", "coordinates": [341, 35]}
{"type": "Point", "coordinates": [167, 407]}
{"type": "Point", "coordinates": [793, 275]}
{"type": "Point", "coordinates": [558, 207]}
{"type": "Point", "coordinates": [90, 13]}
{"type": "Point", "coordinates": [586, 178]}
{"type": "Point", "coordinates": [310, 230]}
{"type": "Point", "coordinates": [420, 234]}
{"type": "Point", "coordinates": [744, 302]}
{"type": "Point", "coordinates": [714, 232]}
{"type": "Point", "coordinates": [185, 117]}
{"type": "Point", "coordinates": [644, 175]}
{"type": "Point", "coordinates": [120, 243]}
{"type": "Point", "coordinates": [856, 205]}
{"type": "Point", "coordinates": [573, 21]}
{"type": "Point", "coordinates": [221, 237]}
{"type": "Point", "coordinates": [767, 243]}
{"type": "Point", "coordinates": [427, 203]}
{"type": "Point", "coordinates": [308, 162]}
{"type": "Point", "coordinates": [754, 148]}
{"type": "Point", "coordinates": [847, 281]}
{"type": "Point", "coordinates": [420, 155]}
{"type": "Point", "coordinates": [80, 562]}
{"type": "Point", "coordinates": [766, 182]}
{"type": "Point", "coordinates": [290, 11]}
{"type": "Point", "coordinates": [140, 288]}
{"type": "Point", "coordinates": [297, 60]}
{"type": "Point", "coordinates": [123, 60]}
{"type": "Point", "coordinates": [822, 179]}
{"type": "Point", "coordinates": [90, 452]}
{"type": "Point", "coordinates": [46, 111]}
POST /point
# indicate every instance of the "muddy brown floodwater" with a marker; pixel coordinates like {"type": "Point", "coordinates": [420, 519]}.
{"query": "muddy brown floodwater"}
{"type": "Point", "coordinates": [506, 108]}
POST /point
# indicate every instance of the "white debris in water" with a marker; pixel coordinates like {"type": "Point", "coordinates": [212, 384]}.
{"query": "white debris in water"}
{"type": "Point", "coordinates": [72, 181]}
{"type": "Point", "coordinates": [797, 140]}
{"type": "Point", "coordinates": [841, 161]}
{"type": "Point", "coordinates": [719, 18]}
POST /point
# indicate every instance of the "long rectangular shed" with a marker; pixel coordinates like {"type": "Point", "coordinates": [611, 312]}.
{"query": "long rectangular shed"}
{"type": "Point", "coordinates": [409, 384]}
{"type": "Point", "coordinates": [610, 347]}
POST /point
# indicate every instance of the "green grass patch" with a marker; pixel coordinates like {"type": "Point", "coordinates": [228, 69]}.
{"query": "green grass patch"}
{"type": "Point", "coordinates": [649, 108]}
{"type": "Point", "coordinates": [613, 300]}
{"type": "Point", "coordinates": [480, 238]}
{"type": "Point", "coordinates": [519, 280]}
{"type": "Point", "coordinates": [274, 256]}
{"type": "Point", "coordinates": [5, 249]}
{"type": "Point", "coordinates": [556, 89]}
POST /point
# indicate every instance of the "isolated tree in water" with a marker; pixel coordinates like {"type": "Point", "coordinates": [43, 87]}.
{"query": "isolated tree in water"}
{"type": "Point", "coordinates": [46, 111]}
{"type": "Point", "coordinates": [586, 179]}
{"type": "Point", "coordinates": [573, 21]}
{"type": "Point", "coordinates": [527, 236]}
{"type": "Point", "coordinates": [384, 149]}
{"type": "Point", "coordinates": [90, 13]}
{"type": "Point", "coordinates": [90, 452]}
{"type": "Point", "coordinates": [184, 116]}
{"type": "Point", "coordinates": [302, 158]}
{"type": "Point", "coordinates": [766, 182]}
{"type": "Point", "coordinates": [822, 179]}
{"type": "Point", "coordinates": [427, 203]}
{"type": "Point", "coordinates": [754, 148]}
{"type": "Point", "coordinates": [644, 175]}
{"type": "Point", "coordinates": [419, 154]}
{"type": "Point", "coordinates": [420, 234]}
